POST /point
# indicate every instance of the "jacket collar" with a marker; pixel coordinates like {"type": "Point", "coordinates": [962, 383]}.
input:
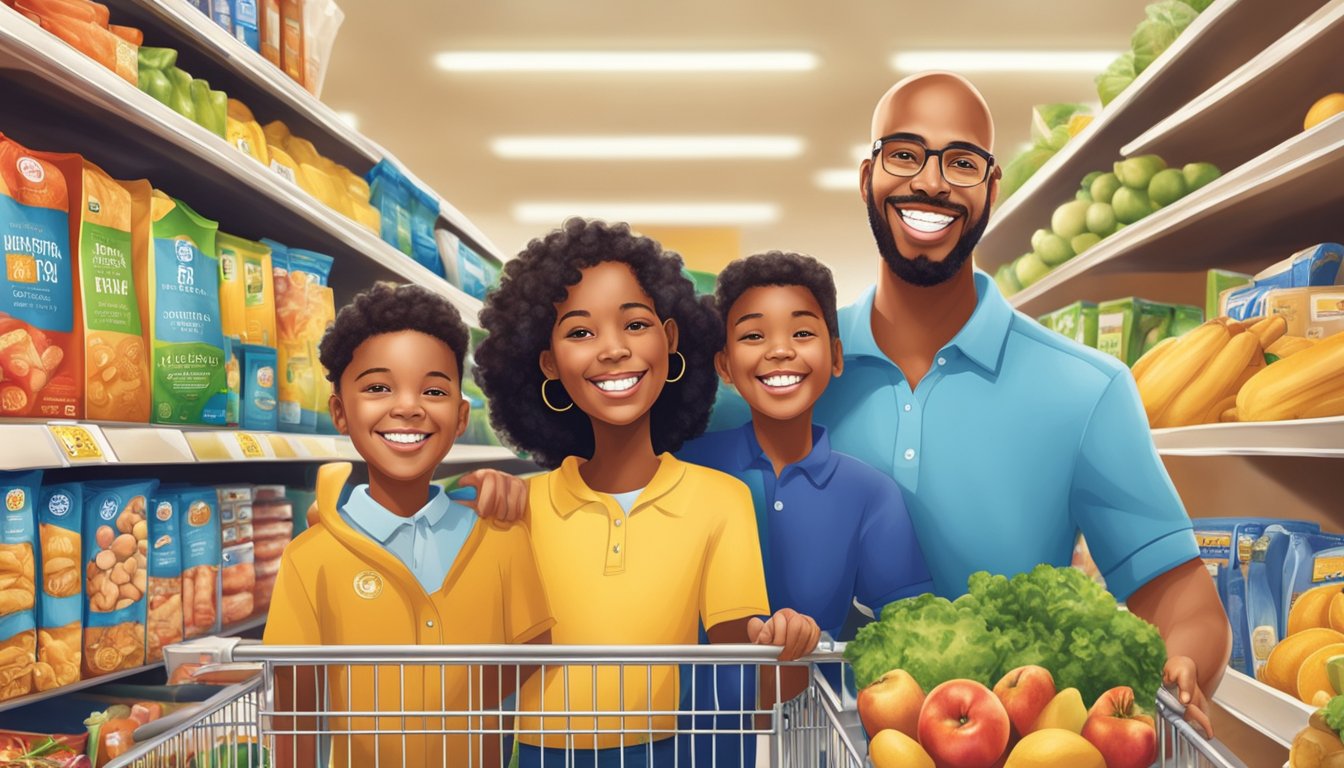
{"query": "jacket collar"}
{"type": "Point", "coordinates": [569, 493]}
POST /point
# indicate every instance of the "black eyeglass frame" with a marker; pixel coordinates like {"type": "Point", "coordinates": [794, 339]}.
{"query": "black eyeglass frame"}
{"type": "Point", "coordinates": [916, 138]}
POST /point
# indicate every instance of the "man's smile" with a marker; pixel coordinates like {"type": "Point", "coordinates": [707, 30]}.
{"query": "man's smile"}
{"type": "Point", "coordinates": [925, 223]}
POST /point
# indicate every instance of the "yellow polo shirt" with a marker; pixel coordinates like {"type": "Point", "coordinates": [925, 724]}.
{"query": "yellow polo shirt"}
{"type": "Point", "coordinates": [686, 553]}
{"type": "Point", "coordinates": [336, 586]}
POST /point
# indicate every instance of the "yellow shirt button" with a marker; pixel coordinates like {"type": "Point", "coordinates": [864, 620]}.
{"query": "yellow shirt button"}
{"type": "Point", "coordinates": [430, 623]}
{"type": "Point", "coordinates": [616, 549]}
{"type": "Point", "coordinates": [618, 522]}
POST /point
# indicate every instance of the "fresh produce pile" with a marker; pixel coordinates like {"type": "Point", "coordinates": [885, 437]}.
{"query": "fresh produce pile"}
{"type": "Point", "coordinates": [1309, 661]}
{"type": "Point", "coordinates": [1164, 22]}
{"type": "Point", "coordinates": [1052, 125]}
{"type": "Point", "coordinates": [1106, 202]}
{"type": "Point", "coordinates": [1249, 370]}
{"type": "Point", "coordinates": [1057, 618]}
{"type": "Point", "coordinates": [1318, 745]}
{"type": "Point", "coordinates": [1023, 723]}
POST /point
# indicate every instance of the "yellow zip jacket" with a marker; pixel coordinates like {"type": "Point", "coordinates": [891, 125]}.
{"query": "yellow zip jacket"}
{"type": "Point", "coordinates": [336, 586]}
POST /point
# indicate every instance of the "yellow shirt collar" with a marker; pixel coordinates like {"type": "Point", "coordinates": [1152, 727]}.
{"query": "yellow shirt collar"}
{"type": "Point", "coordinates": [569, 493]}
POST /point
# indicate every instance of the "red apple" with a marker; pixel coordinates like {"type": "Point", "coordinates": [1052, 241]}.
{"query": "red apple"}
{"type": "Point", "coordinates": [1024, 692]}
{"type": "Point", "coordinates": [892, 701]}
{"type": "Point", "coordinates": [1120, 731]}
{"type": "Point", "coordinates": [963, 725]}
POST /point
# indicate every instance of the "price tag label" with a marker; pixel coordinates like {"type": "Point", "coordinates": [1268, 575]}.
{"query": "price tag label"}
{"type": "Point", "coordinates": [250, 446]}
{"type": "Point", "coordinates": [77, 443]}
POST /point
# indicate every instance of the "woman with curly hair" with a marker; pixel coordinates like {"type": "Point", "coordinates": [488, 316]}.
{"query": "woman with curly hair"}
{"type": "Point", "coordinates": [599, 363]}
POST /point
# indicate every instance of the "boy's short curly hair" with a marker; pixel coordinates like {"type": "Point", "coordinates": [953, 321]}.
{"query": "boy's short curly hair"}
{"type": "Point", "coordinates": [519, 316]}
{"type": "Point", "coordinates": [388, 308]}
{"type": "Point", "coordinates": [778, 268]}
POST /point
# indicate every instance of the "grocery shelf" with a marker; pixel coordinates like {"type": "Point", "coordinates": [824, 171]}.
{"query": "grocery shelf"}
{"type": "Point", "coordinates": [221, 58]}
{"type": "Point", "coordinates": [55, 445]}
{"type": "Point", "coordinates": [32, 698]}
{"type": "Point", "coordinates": [1255, 214]}
{"type": "Point", "coordinates": [72, 103]}
{"type": "Point", "coordinates": [1222, 38]}
{"type": "Point", "coordinates": [1271, 712]}
{"type": "Point", "coordinates": [1265, 98]}
{"type": "Point", "coordinates": [1304, 437]}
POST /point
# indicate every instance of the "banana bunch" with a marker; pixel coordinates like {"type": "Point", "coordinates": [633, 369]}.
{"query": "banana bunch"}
{"type": "Point", "coordinates": [1307, 385]}
{"type": "Point", "coordinates": [1196, 378]}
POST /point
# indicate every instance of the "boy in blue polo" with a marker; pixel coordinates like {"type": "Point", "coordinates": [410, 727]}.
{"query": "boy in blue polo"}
{"type": "Point", "coordinates": [833, 531]}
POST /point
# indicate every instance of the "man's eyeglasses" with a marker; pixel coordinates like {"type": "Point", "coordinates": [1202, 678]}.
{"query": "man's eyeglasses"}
{"type": "Point", "coordinates": [961, 163]}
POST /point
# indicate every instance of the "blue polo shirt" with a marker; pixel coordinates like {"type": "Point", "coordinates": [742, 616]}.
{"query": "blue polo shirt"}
{"type": "Point", "coordinates": [427, 542]}
{"type": "Point", "coordinates": [836, 529]}
{"type": "Point", "coordinates": [1015, 440]}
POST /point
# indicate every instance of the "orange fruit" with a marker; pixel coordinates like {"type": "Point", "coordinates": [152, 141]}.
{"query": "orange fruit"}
{"type": "Point", "coordinates": [1286, 659]}
{"type": "Point", "coordinates": [1326, 107]}
{"type": "Point", "coordinates": [1312, 608]}
{"type": "Point", "coordinates": [1312, 676]}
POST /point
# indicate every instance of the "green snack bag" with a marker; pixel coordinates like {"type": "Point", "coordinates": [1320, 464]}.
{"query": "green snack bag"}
{"type": "Point", "coordinates": [187, 343]}
{"type": "Point", "coordinates": [1185, 319]}
{"type": "Point", "coordinates": [1126, 328]}
{"type": "Point", "coordinates": [1217, 281]}
{"type": "Point", "coordinates": [180, 100]}
{"type": "Point", "coordinates": [1047, 320]}
{"type": "Point", "coordinates": [1089, 325]}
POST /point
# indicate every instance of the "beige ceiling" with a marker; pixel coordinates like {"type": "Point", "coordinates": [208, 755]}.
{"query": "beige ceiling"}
{"type": "Point", "coordinates": [440, 124]}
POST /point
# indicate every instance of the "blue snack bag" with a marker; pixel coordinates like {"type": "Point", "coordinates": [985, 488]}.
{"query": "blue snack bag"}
{"type": "Point", "coordinates": [245, 24]}
{"type": "Point", "coordinates": [259, 396]}
{"type": "Point", "coordinates": [60, 600]}
{"type": "Point", "coordinates": [202, 557]}
{"type": "Point", "coordinates": [116, 557]}
{"type": "Point", "coordinates": [18, 558]}
{"type": "Point", "coordinates": [164, 621]}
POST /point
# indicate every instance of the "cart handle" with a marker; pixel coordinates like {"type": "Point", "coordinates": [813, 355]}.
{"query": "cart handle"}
{"type": "Point", "coordinates": [724, 653]}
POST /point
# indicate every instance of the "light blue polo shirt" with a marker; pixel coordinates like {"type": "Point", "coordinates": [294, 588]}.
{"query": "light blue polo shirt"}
{"type": "Point", "coordinates": [1015, 440]}
{"type": "Point", "coordinates": [427, 542]}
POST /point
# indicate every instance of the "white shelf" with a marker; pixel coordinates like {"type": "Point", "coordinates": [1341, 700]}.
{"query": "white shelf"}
{"type": "Point", "coordinates": [252, 77]}
{"type": "Point", "coordinates": [35, 445]}
{"type": "Point", "coordinates": [1266, 99]}
{"type": "Point", "coordinates": [33, 698]}
{"type": "Point", "coordinates": [211, 175]}
{"type": "Point", "coordinates": [1271, 712]}
{"type": "Point", "coordinates": [1268, 207]}
{"type": "Point", "coordinates": [1222, 38]}
{"type": "Point", "coordinates": [1304, 437]}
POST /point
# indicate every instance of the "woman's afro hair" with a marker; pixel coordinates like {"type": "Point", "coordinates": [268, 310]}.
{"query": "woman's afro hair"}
{"type": "Point", "coordinates": [519, 316]}
{"type": "Point", "coordinates": [778, 268]}
{"type": "Point", "coordinates": [388, 308]}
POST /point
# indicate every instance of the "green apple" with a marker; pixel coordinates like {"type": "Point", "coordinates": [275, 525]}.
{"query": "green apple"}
{"type": "Point", "coordinates": [1199, 174]}
{"type": "Point", "coordinates": [1136, 172]}
{"type": "Point", "coordinates": [1130, 205]}
{"type": "Point", "coordinates": [1030, 268]}
{"type": "Point", "coordinates": [1100, 218]}
{"type": "Point", "coordinates": [1054, 250]}
{"type": "Point", "coordinates": [1036, 238]}
{"type": "Point", "coordinates": [1104, 186]}
{"type": "Point", "coordinates": [1084, 241]}
{"type": "Point", "coordinates": [1070, 219]}
{"type": "Point", "coordinates": [1167, 187]}
{"type": "Point", "coordinates": [1089, 179]}
{"type": "Point", "coordinates": [1006, 278]}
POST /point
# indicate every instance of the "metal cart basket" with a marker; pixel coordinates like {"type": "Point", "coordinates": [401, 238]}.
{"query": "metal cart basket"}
{"type": "Point", "coordinates": [454, 705]}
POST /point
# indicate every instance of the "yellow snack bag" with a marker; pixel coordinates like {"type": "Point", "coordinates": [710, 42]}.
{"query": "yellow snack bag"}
{"type": "Point", "coordinates": [231, 315]}
{"type": "Point", "coordinates": [284, 165]}
{"type": "Point", "coordinates": [366, 215]}
{"type": "Point", "coordinates": [327, 189]}
{"type": "Point", "coordinates": [277, 133]}
{"type": "Point", "coordinates": [248, 138]}
{"type": "Point", "coordinates": [247, 290]}
{"type": "Point", "coordinates": [357, 186]}
{"type": "Point", "coordinates": [303, 151]}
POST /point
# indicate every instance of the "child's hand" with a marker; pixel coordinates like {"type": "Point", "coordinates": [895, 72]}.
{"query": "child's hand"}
{"type": "Point", "coordinates": [1180, 671]}
{"type": "Point", "coordinates": [499, 496]}
{"type": "Point", "coordinates": [797, 634]}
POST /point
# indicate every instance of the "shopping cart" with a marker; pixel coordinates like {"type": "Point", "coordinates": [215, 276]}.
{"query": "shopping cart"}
{"type": "Point", "coordinates": [350, 720]}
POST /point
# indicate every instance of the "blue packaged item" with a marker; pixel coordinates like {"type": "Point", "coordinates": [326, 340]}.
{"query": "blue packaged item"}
{"type": "Point", "coordinates": [115, 542]}
{"type": "Point", "coordinates": [259, 394]}
{"type": "Point", "coordinates": [245, 25]}
{"type": "Point", "coordinates": [221, 11]}
{"type": "Point", "coordinates": [201, 5]}
{"type": "Point", "coordinates": [164, 623]}
{"type": "Point", "coordinates": [202, 557]}
{"type": "Point", "coordinates": [471, 272]}
{"type": "Point", "coordinates": [390, 193]}
{"type": "Point", "coordinates": [1308, 268]}
{"type": "Point", "coordinates": [424, 214]}
{"type": "Point", "coordinates": [18, 548]}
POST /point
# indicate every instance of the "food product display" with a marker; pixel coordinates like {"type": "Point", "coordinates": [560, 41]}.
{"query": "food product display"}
{"type": "Point", "coordinates": [1162, 24]}
{"type": "Point", "coordinates": [117, 574]}
{"type": "Point", "coordinates": [18, 583]}
{"type": "Point", "coordinates": [202, 558]}
{"type": "Point", "coordinates": [164, 625]}
{"type": "Point", "coordinates": [60, 516]}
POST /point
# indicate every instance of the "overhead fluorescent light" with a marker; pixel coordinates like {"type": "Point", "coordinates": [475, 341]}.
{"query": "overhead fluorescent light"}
{"type": "Point", "coordinates": [644, 147]}
{"type": "Point", "coordinates": [862, 152]}
{"type": "Point", "coordinates": [350, 119]}
{"type": "Point", "coordinates": [1003, 61]}
{"type": "Point", "coordinates": [625, 61]}
{"type": "Point", "coordinates": [697, 214]}
{"type": "Point", "coordinates": [838, 178]}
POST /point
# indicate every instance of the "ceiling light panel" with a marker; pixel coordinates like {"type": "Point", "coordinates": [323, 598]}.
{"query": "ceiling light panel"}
{"type": "Point", "coordinates": [645, 147]}
{"type": "Point", "coordinates": [1003, 61]}
{"type": "Point", "coordinates": [688, 214]}
{"type": "Point", "coordinates": [626, 61]}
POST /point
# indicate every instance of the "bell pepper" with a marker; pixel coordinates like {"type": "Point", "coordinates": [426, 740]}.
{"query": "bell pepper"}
{"type": "Point", "coordinates": [206, 115]}
{"type": "Point", "coordinates": [157, 58]}
{"type": "Point", "coordinates": [219, 112]}
{"type": "Point", "coordinates": [181, 101]}
{"type": "Point", "coordinates": [157, 85]}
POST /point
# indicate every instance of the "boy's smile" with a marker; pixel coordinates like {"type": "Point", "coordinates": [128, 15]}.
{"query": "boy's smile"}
{"type": "Point", "coordinates": [400, 401]}
{"type": "Point", "coordinates": [779, 353]}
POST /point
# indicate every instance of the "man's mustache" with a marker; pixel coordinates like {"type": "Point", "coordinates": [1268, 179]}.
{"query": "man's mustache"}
{"type": "Point", "coordinates": [932, 202]}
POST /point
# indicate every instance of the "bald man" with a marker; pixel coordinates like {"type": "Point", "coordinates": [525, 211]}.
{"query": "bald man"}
{"type": "Point", "coordinates": [1006, 439]}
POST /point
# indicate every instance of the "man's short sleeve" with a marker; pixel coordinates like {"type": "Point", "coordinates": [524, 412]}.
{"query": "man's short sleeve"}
{"type": "Point", "coordinates": [527, 612]}
{"type": "Point", "coordinates": [1122, 498]}
{"type": "Point", "coordinates": [733, 586]}
{"type": "Point", "coordinates": [891, 563]}
{"type": "Point", "coordinates": [292, 618]}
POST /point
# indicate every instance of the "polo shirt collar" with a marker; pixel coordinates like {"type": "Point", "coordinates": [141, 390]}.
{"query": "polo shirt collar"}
{"type": "Point", "coordinates": [981, 339]}
{"type": "Point", "coordinates": [380, 523]}
{"type": "Point", "coordinates": [818, 465]}
{"type": "Point", "coordinates": [569, 492]}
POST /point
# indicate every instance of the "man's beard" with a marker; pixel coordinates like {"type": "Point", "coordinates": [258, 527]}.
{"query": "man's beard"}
{"type": "Point", "coordinates": [923, 271]}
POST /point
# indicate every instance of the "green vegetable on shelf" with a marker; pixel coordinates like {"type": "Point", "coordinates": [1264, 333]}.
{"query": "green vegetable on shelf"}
{"type": "Point", "coordinates": [1116, 77]}
{"type": "Point", "coordinates": [1021, 168]}
{"type": "Point", "coordinates": [1334, 713]}
{"type": "Point", "coordinates": [181, 101]}
{"type": "Point", "coordinates": [206, 115]}
{"type": "Point", "coordinates": [1057, 618]}
{"type": "Point", "coordinates": [219, 105]}
{"type": "Point", "coordinates": [156, 84]}
{"type": "Point", "coordinates": [156, 58]}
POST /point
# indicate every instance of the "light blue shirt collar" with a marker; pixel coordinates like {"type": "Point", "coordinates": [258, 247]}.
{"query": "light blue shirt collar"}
{"type": "Point", "coordinates": [380, 523]}
{"type": "Point", "coordinates": [981, 340]}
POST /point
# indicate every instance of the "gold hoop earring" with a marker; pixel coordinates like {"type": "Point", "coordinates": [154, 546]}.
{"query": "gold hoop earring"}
{"type": "Point", "coordinates": [683, 368]}
{"type": "Point", "coordinates": [544, 382]}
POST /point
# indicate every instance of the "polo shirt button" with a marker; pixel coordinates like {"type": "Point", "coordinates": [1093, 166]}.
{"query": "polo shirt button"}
{"type": "Point", "coordinates": [616, 549]}
{"type": "Point", "coordinates": [942, 361]}
{"type": "Point", "coordinates": [907, 407]}
{"type": "Point", "coordinates": [430, 623]}
{"type": "Point", "coordinates": [618, 522]}
{"type": "Point", "coordinates": [909, 454]}
{"type": "Point", "coordinates": [779, 505]}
